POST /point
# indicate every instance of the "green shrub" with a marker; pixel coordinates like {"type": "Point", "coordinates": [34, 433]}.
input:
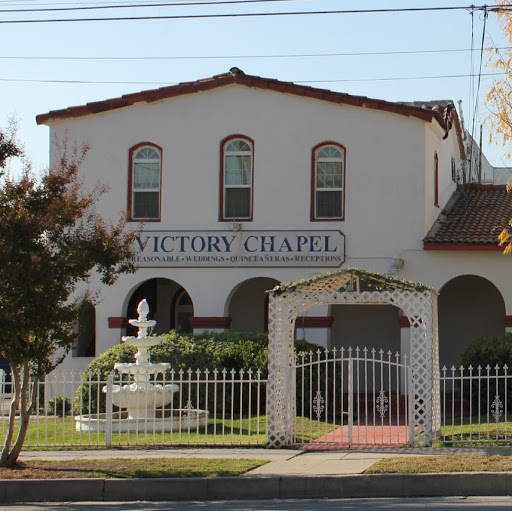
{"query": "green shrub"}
{"type": "Point", "coordinates": [208, 350]}
{"type": "Point", "coordinates": [484, 351]}
{"type": "Point", "coordinates": [493, 350]}
{"type": "Point", "coordinates": [59, 406]}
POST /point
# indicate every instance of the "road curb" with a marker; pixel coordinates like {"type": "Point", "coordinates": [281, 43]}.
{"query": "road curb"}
{"type": "Point", "coordinates": [227, 488]}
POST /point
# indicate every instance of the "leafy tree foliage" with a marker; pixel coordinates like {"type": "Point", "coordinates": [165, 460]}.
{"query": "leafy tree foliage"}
{"type": "Point", "coordinates": [499, 100]}
{"type": "Point", "coordinates": [9, 147]}
{"type": "Point", "coordinates": [500, 95]}
{"type": "Point", "coordinates": [51, 240]}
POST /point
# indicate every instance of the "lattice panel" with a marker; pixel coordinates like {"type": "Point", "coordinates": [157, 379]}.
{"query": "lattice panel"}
{"type": "Point", "coordinates": [419, 307]}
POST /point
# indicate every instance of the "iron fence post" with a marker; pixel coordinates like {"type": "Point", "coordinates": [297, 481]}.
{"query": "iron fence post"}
{"type": "Point", "coordinates": [108, 411]}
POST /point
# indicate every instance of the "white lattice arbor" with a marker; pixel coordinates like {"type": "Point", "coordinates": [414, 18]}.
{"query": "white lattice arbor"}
{"type": "Point", "coordinates": [353, 286]}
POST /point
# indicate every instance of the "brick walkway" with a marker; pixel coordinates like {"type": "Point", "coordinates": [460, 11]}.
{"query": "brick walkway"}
{"type": "Point", "coordinates": [362, 436]}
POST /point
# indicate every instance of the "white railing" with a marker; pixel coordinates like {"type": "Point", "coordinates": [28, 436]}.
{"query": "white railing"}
{"type": "Point", "coordinates": [347, 396]}
{"type": "Point", "coordinates": [212, 408]}
{"type": "Point", "coordinates": [352, 396]}
{"type": "Point", "coordinates": [474, 405]}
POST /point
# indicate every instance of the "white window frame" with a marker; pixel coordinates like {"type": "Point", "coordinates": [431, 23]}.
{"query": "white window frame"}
{"type": "Point", "coordinates": [158, 189]}
{"type": "Point", "coordinates": [341, 189]}
{"type": "Point", "coordinates": [225, 186]}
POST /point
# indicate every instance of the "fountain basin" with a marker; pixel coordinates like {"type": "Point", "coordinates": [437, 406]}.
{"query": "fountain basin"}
{"type": "Point", "coordinates": [141, 399]}
{"type": "Point", "coordinates": [165, 420]}
{"type": "Point", "coordinates": [141, 368]}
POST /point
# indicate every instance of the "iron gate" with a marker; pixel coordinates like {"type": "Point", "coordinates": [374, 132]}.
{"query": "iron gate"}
{"type": "Point", "coordinates": [352, 396]}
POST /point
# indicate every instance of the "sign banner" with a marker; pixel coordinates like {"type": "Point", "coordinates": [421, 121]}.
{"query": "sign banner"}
{"type": "Point", "coordinates": [226, 249]}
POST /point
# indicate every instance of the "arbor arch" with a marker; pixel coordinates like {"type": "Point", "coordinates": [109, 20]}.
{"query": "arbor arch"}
{"type": "Point", "coordinates": [418, 303]}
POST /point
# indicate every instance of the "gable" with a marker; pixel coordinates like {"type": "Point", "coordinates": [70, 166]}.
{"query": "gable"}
{"type": "Point", "coordinates": [445, 117]}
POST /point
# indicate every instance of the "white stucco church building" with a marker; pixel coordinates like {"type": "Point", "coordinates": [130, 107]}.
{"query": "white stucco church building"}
{"type": "Point", "coordinates": [242, 182]}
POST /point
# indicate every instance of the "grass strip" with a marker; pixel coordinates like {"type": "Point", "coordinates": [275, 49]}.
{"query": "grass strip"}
{"type": "Point", "coordinates": [47, 433]}
{"type": "Point", "coordinates": [436, 464]}
{"type": "Point", "coordinates": [128, 468]}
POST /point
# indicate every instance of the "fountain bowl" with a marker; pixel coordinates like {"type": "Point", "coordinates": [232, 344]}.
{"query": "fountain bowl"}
{"type": "Point", "coordinates": [165, 420]}
{"type": "Point", "coordinates": [142, 399]}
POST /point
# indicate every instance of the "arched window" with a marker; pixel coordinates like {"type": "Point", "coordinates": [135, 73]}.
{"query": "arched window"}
{"type": "Point", "coordinates": [328, 182]}
{"type": "Point", "coordinates": [237, 179]}
{"type": "Point", "coordinates": [145, 182]}
{"type": "Point", "coordinates": [436, 180]}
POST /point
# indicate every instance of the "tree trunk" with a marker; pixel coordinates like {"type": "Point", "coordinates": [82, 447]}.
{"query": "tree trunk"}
{"type": "Point", "coordinates": [12, 416]}
{"type": "Point", "coordinates": [27, 398]}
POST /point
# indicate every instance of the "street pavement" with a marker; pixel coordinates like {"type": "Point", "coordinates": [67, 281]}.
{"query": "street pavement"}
{"type": "Point", "coordinates": [402, 504]}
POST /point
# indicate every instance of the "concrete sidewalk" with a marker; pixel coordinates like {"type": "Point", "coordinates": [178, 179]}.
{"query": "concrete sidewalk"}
{"type": "Point", "coordinates": [291, 473]}
{"type": "Point", "coordinates": [283, 462]}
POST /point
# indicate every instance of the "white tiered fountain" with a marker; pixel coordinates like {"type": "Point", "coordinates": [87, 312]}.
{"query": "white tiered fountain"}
{"type": "Point", "coordinates": [142, 402]}
{"type": "Point", "coordinates": [141, 398]}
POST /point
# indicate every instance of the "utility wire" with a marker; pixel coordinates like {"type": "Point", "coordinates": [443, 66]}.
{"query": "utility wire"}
{"type": "Point", "coordinates": [276, 56]}
{"type": "Point", "coordinates": [258, 14]}
{"type": "Point", "coordinates": [345, 80]}
{"type": "Point", "coordinates": [475, 113]}
{"type": "Point", "coordinates": [131, 6]}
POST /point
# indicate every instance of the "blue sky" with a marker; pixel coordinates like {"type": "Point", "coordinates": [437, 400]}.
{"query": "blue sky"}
{"type": "Point", "coordinates": [250, 43]}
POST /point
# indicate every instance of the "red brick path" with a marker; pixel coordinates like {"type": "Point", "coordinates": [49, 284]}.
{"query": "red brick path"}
{"type": "Point", "coordinates": [362, 436]}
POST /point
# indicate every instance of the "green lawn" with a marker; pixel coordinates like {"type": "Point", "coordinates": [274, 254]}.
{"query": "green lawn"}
{"type": "Point", "coordinates": [50, 433]}
{"type": "Point", "coordinates": [436, 464]}
{"type": "Point", "coordinates": [127, 469]}
{"type": "Point", "coordinates": [470, 431]}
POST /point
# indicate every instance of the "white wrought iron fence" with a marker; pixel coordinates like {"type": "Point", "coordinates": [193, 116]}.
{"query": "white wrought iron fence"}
{"type": "Point", "coordinates": [475, 405]}
{"type": "Point", "coordinates": [352, 396]}
{"type": "Point", "coordinates": [346, 396]}
{"type": "Point", "coordinates": [205, 407]}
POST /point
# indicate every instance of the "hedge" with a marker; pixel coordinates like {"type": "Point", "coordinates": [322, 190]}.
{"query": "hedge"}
{"type": "Point", "coordinates": [208, 350]}
{"type": "Point", "coordinates": [494, 351]}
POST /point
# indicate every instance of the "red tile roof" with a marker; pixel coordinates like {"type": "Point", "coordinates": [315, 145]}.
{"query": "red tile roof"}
{"type": "Point", "coordinates": [472, 220]}
{"type": "Point", "coordinates": [425, 112]}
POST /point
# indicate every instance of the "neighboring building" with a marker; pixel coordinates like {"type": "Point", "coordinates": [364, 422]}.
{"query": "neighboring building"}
{"type": "Point", "coordinates": [242, 182]}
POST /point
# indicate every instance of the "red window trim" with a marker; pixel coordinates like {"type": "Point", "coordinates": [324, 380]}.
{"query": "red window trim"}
{"type": "Point", "coordinates": [223, 143]}
{"type": "Point", "coordinates": [132, 151]}
{"type": "Point", "coordinates": [313, 181]}
{"type": "Point", "coordinates": [436, 180]}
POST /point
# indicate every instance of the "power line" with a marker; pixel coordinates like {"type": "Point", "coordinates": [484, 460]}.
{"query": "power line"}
{"type": "Point", "coordinates": [130, 6]}
{"type": "Point", "coordinates": [344, 80]}
{"type": "Point", "coordinates": [471, 8]}
{"type": "Point", "coordinates": [276, 56]}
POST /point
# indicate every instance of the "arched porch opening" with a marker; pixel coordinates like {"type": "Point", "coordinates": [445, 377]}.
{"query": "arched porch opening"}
{"type": "Point", "coordinates": [85, 343]}
{"type": "Point", "coordinates": [247, 305]}
{"type": "Point", "coordinates": [169, 304]}
{"type": "Point", "coordinates": [469, 307]}
{"type": "Point", "coordinates": [369, 325]}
